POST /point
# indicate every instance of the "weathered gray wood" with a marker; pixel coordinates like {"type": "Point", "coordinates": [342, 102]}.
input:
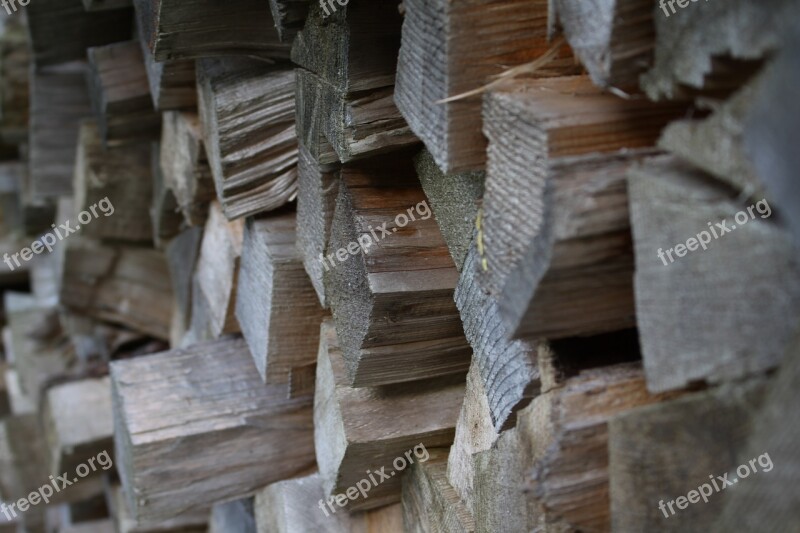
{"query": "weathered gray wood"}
{"type": "Point", "coordinates": [165, 216]}
{"type": "Point", "coordinates": [697, 315]}
{"type": "Point", "coordinates": [23, 456]}
{"type": "Point", "coordinates": [118, 182]}
{"type": "Point", "coordinates": [185, 165]}
{"type": "Point", "coordinates": [660, 452]}
{"type": "Point", "coordinates": [198, 426]}
{"type": "Point", "coordinates": [289, 16]}
{"type": "Point", "coordinates": [430, 503]}
{"type": "Point", "coordinates": [236, 516]}
{"type": "Point", "coordinates": [247, 110]}
{"type": "Point", "coordinates": [15, 60]}
{"type": "Point", "coordinates": [393, 299]}
{"type": "Point", "coordinates": [449, 48]}
{"type": "Point", "coordinates": [365, 429]}
{"type": "Point", "coordinates": [181, 29]}
{"type": "Point", "coordinates": [62, 30]}
{"type": "Point", "coordinates": [182, 254]}
{"type": "Point", "coordinates": [124, 523]}
{"type": "Point", "coordinates": [500, 503]}
{"type": "Point", "coordinates": [120, 93]}
{"type": "Point", "coordinates": [276, 305]}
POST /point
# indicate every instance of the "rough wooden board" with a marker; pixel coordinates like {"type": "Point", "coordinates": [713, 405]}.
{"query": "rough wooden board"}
{"type": "Point", "coordinates": [181, 29]}
{"type": "Point", "coordinates": [364, 429]}
{"type": "Point", "coordinates": [119, 178]}
{"type": "Point", "coordinates": [217, 269]}
{"type": "Point", "coordinates": [690, 41]}
{"type": "Point", "coordinates": [182, 254]}
{"type": "Point", "coordinates": [430, 503]}
{"type": "Point", "coordinates": [197, 426]}
{"type": "Point", "coordinates": [236, 516]}
{"type": "Point", "coordinates": [500, 503]}
{"type": "Point", "coordinates": [693, 324]}
{"type": "Point", "coordinates": [660, 452]}
{"type": "Point", "coordinates": [124, 523]}
{"type": "Point", "coordinates": [393, 302]}
{"type": "Point", "coordinates": [289, 16]}
{"type": "Point", "coordinates": [276, 305]}
{"type": "Point", "coordinates": [247, 111]}
{"type": "Point", "coordinates": [455, 199]}
{"type": "Point", "coordinates": [449, 48]}
{"type": "Point", "coordinates": [296, 506]}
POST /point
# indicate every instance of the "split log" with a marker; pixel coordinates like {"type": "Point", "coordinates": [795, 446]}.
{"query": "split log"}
{"type": "Point", "coordinates": [177, 29]}
{"type": "Point", "coordinates": [449, 48]}
{"type": "Point", "coordinates": [357, 125]}
{"type": "Point", "coordinates": [217, 270]}
{"type": "Point", "coordinates": [185, 165]}
{"type": "Point", "coordinates": [236, 516]}
{"type": "Point", "coordinates": [275, 304]}
{"type": "Point", "coordinates": [78, 426]}
{"type": "Point", "coordinates": [661, 452]}
{"type": "Point", "coordinates": [499, 501]}
{"type": "Point", "coordinates": [120, 93]}
{"type": "Point", "coordinates": [182, 255]}
{"type": "Point", "coordinates": [120, 284]}
{"type": "Point", "coordinates": [351, 443]}
{"type": "Point", "coordinates": [124, 523]}
{"type": "Point", "coordinates": [308, 121]}
{"type": "Point", "coordinates": [291, 507]}
{"type": "Point", "coordinates": [113, 187]}
{"type": "Point", "coordinates": [165, 216]}
{"type": "Point", "coordinates": [247, 110]}
{"type": "Point", "coordinates": [289, 16]}
{"type": "Point", "coordinates": [430, 503]}
{"type": "Point", "coordinates": [455, 200]}
{"type": "Point", "coordinates": [62, 30]}
{"type": "Point", "coordinates": [709, 334]}
{"type": "Point", "coordinates": [614, 39]}
{"type": "Point", "coordinates": [318, 186]}
{"type": "Point", "coordinates": [333, 45]}
{"type": "Point", "coordinates": [561, 148]}
{"type": "Point", "coordinates": [393, 299]}
{"type": "Point", "coordinates": [713, 48]}
{"type": "Point", "coordinates": [213, 410]}
{"type": "Point", "coordinates": [59, 101]}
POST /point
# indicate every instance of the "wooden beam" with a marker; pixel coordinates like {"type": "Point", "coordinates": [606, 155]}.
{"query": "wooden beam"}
{"type": "Point", "coordinates": [211, 404]}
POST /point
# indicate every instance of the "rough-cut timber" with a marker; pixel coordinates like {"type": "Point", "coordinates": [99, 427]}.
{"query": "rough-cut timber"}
{"type": "Point", "coordinates": [500, 503]}
{"type": "Point", "coordinates": [62, 30]}
{"type": "Point", "coordinates": [124, 522]}
{"type": "Point", "coordinates": [365, 429]}
{"type": "Point", "coordinates": [661, 452]}
{"type": "Point", "coordinates": [59, 101]}
{"type": "Point", "coordinates": [293, 506]}
{"type": "Point", "coordinates": [393, 299]}
{"type": "Point", "coordinates": [172, 83]}
{"type": "Point", "coordinates": [183, 29]}
{"type": "Point", "coordinates": [289, 16]}
{"type": "Point", "coordinates": [119, 182]}
{"type": "Point", "coordinates": [120, 284]}
{"type": "Point", "coordinates": [120, 93]}
{"type": "Point", "coordinates": [449, 48]}
{"type": "Point", "coordinates": [698, 316]}
{"type": "Point", "coordinates": [182, 254]}
{"type": "Point", "coordinates": [198, 426]}
{"type": "Point", "coordinates": [430, 503]}
{"type": "Point", "coordinates": [614, 39]}
{"type": "Point", "coordinates": [164, 214]}
{"type": "Point", "coordinates": [247, 110]}
{"type": "Point", "coordinates": [276, 305]}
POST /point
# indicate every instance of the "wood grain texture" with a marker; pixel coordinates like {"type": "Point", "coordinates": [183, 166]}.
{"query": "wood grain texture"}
{"type": "Point", "coordinates": [293, 506]}
{"type": "Point", "coordinates": [393, 302]}
{"type": "Point", "coordinates": [197, 426]}
{"type": "Point", "coordinates": [660, 452]}
{"type": "Point", "coordinates": [709, 333]}
{"type": "Point", "coordinates": [182, 254]}
{"type": "Point", "coordinates": [449, 48]}
{"type": "Point", "coordinates": [364, 429]}
{"type": "Point", "coordinates": [500, 503]}
{"type": "Point", "coordinates": [120, 176]}
{"type": "Point", "coordinates": [164, 214]}
{"type": "Point", "coordinates": [124, 522]}
{"type": "Point", "coordinates": [276, 304]}
{"type": "Point", "coordinates": [247, 111]}
{"type": "Point", "coordinates": [289, 17]}
{"type": "Point", "coordinates": [180, 29]}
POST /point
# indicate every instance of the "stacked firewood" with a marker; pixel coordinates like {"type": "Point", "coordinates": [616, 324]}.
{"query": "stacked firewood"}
{"type": "Point", "coordinates": [288, 266]}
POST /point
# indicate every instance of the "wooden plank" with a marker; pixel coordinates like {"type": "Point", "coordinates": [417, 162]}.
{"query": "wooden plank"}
{"type": "Point", "coordinates": [393, 299]}
{"type": "Point", "coordinates": [247, 112]}
{"type": "Point", "coordinates": [120, 93]}
{"type": "Point", "coordinates": [449, 48]}
{"type": "Point", "coordinates": [707, 335]}
{"type": "Point", "coordinates": [276, 305]}
{"type": "Point", "coordinates": [366, 429]}
{"type": "Point", "coordinates": [212, 410]}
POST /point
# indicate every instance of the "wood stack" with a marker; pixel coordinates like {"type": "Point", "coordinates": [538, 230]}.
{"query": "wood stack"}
{"type": "Point", "coordinates": [535, 279]}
